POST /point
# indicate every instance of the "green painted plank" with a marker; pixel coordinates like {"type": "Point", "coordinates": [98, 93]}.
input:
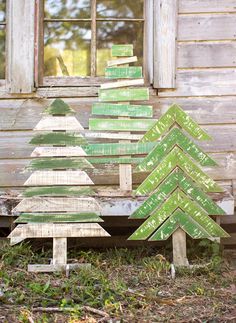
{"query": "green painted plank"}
{"type": "Point", "coordinates": [111, 149]}
{"type": "Point", "coordinates": [59, 107]}
{"type": "Point", "coordinates": [122, 50]}
{"type": "Point", "coordinates": [173, 181]}
{"type": "Point", "coordinates": [59, 191]}
{"type": "Point", "coordinates": [185, 222]}
{"type": "Point", "coordinates": [177, 158]}
{"type": "Point", "coordinates": [124, 72]}
{"type": "Point", "coordinates": [54, 218]}
{"type": "Point", "coordinates": [175, 115]}
{"type": "Point", "coordinates": [124, 94]}
{"type": "Point", "coordinates": [122, 110]}
{"type": "Point", "coordinates": [120, 125]}
{"type": "Point", "coordinates": [59, 163]}
{"type": "Point", "coordinates": [59, 138]}
{"type": "Point", "coordinates": [174, 137]}
{"type": "Point", "coordinates": [115, 160]}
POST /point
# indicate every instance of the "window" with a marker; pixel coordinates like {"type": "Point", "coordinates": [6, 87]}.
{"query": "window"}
{"type": "Point", "coordinates": [2, 37]}
{"type": "Point", "coordinates": [78, 35]}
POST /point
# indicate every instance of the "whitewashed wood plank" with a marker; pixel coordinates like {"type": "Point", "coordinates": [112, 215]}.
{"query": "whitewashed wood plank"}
{"type": "Point", "coordinates": [120, 61]}
{"type": "Point", "coordinates": [206, 54]}
{"type": "Point", "coordinates": [50, 123]}
{"type": "Point", "coordinates": [179, 248]}
{"type": "Point", "coordinates": [207, 27]}
{"type": "Point", "coordinates": [58, 152]}
{"type": "Point", "coordinates": [200, 82]}
{"type": "Point", "coordinates": [57, 204]}
{"type": "Point", "coordinates": [20, 46]}
{"type": "Point", "coordinates": [107, 135]}
{"type": "Point", "coordinates": [113, 85]}
{"type": "Point", "coordinates": [59, 251]}
{"type": "Point", "coordinates": [165, 32]}
{"type": "Point", "coordinates": [53, 268]}
{"type": "Point", "coordinates": [41, 178]}
{"type": "Point", "coordinates": [198, 6]}
{"type": "Point", "coordinates": [56, 230]}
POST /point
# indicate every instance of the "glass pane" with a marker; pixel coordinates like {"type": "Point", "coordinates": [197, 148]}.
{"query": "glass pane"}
{"type": "Point", "coordinates": [120, 9]}
{"type": "Point", "coordinates": [67, 9]}
{"type": "Point", "coordinates": [2, 10]}
{"type": "Point", "coordinates": [2, 52]}
{"type": "Point", "coordinates": [109, 33]}
{"type": "Point", "coordinates": [67, 49]}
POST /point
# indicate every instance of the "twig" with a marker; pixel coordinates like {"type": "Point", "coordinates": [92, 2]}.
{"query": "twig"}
{"type": "Point", "coordinates": [70, 309]}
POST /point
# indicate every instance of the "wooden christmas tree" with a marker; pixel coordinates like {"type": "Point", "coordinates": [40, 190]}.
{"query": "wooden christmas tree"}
{"type": "Point", "coordinates": [178, 188]}
{"type": "Point", "coordinates": [55, 204]}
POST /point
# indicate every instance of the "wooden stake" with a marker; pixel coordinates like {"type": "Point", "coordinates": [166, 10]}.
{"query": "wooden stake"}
{"type": "Point", "coordinates": [179, 248]}
{"type": "Point", "coordinates": [59, 251]}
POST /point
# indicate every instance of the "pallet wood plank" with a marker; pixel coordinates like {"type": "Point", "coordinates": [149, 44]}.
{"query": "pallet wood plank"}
{"type": "Point", "coordinates": [119, 84]}
{"type": "Point", "coordinates": [116, 160]}
{"type": "Point", "coordinates": [47, 177]}
{"type": "Point", "coordinates": [52, 123]}
{"type": "Point", "coordinates": [56, 230]}
{"type": "Point", "coordinates": [122, 50]}
{"type": "Point", "coordinates": [124, 72]}
{"type": "Point", "coordinates": [58, 138]}
{"type": "Point", "coordinates": [121, 125]}
{"type": "Point", "coordinates": [59, 107]}
{"type": "Point", "coordinates": [59, 191]}
{"type": "Point", "coordinates": [59, 251]}
{"type": "Point", "coordinates": [58, 152]}
{"type": "Point", "coordinates": [130, 94]}
{"type": "Point", "coordinates": [122, 110]}
{"type": "Point", "coordinates": [112, 136]}
{"type": "Point", "coordinates": [121, 61]}
{"type": "Point", "coordinates": [59, 163]}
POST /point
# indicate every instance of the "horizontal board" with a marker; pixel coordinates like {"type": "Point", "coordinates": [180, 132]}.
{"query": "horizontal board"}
{"type": "Point", "coordinates": [187, 6]}
{"type": "Point", "coordinates": [57, 204]}
{"type": "Point", "coordinates": [59, 107]}
{"type": "Point", "coordinates": [59, 163]}
{"type": "Point", "coordinates": [206, 27]}
{"type": "Point", "coordinates": [124, 72]}
{"type": "Point", "coordinates": [135, 94]}
{"type": "Point", "coordinates": [41, 178]}
{"type": "Point", "coordinates": [200, 82]}
{"type": "Point", "coordinates": [121, 61]}
{"type": "Point", "coordinates": [122, 50]}
{"type": "Point", "coordinates": [121, 125]}
{"type": "Point", "coordinates": [58, 138]}
{"type": "Point", "coordinates": [58, 191]}
{"type": "Point", "coordinates": [49, 123]}
{"type": "Point", "coordinates": [111, 136]}
{"type": "Point", "coordinates": [116, 160]}
{"type": "Point", "coordinates": [206, 54]}
{"type": "Point", "coordinates": [56, 230]}
{"type": "Point", "coordinates": [54, 218]}
{"type": "Point", "coordinates": [122, 110]}
{"type": "Point", "coordinates": [58, 152]}
{"type": "Point", "coordinates": [118, 84]}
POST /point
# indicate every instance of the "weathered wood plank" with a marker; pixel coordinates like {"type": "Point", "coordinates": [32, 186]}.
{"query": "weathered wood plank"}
{"type": "Point", "coordinates": [124, 72]}
{"type": "Point", "coordinates": [59, 191]}
{"type": "Point", "coordinates": [121, 50]}
{"type": "Point", "coordinates": [121, 125]}
{"type": "Point", "coordinates": [57, 204]}
{"type": "Point", "coordinates": [59, 251]}
{"type": "Point", "coordinates": [50, 123]}
{"type": "Point", "coordinates": [206, 27]}
{"type": "Point", "coordinates": [111, 136]}
{"type": "Point", "coordinates": [206, 54]}
{"type": "Point", "coordinates": [116, 160]}
{"type": "Point", "coordinates": [59, 163]}
{"type": "Point", "coordinates": [179, 246]}
{"type": "Point", "coordinates": [135, 94]}
{"type": "Point", "coordinates": [56, 230]}
{"type": "Point", "coordinates": [165, 33]}
{"type": "Point", "coordinates": [122, 110]}
{"type": "Point", "coordinates": [199, 6]}
{"type": "Point", "coordinates": [59, 107]}
{"type": "Point", "coordinates": [58, 138]}
{"type": "Point", "coordinates": [119, 84]}
{"type": "Point", "coordinates": [200, 82]}
{"type": "Point", "coordinates": [42, 178]}
{"type": "Point", "coordinates": [58, 152]}
{"type": "Point", "coordinates": [121, 61]}
{"type": "Point", "coordinates": [54, 268]}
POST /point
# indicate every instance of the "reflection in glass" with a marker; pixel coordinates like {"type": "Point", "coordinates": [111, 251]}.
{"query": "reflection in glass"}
{"type": "Point", "coordinates": [2, 10]}
{"type": "Point", "coordinates": [121, 9]}
{"type": "Point", "coordinates": [67, 49]}
{"type": "Point", "coordinates": [67, 9]}
{"type": "Point", "coordinates": [2, 52]}
{"type": "Point", "coordinates": [109, 33]}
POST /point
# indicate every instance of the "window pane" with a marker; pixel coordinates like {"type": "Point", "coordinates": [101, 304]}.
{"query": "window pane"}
{"type": "Point", "coordinates": [2, 52]}
{"type": "Point", "coordinates": [2, 10]}
{"type": "Point", "coordinates": [109, 33]}
{"type": "Point", "coordinates": [67, 8]}
{"type": "Point", "coordinates": [121, 9]}
{"type": "Point", "coordinates": [67, 49]}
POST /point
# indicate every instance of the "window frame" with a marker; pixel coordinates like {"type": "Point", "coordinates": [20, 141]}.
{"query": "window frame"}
{"type": "Point", "coordinates": [44, 81]}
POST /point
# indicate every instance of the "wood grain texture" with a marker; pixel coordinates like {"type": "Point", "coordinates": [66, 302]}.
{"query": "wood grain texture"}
{"type": "Point", "coordinates": [58, 138]}
{"type": "Point", "coordinates": [121, 125]}
{"type": "Point", "coordinates": [122, 110]}
{"type": "Point", "coordinates": [59, 251]}
{"type": "Point", "coordinates": [42, 178]}
{"type": "Point", "coordinates": [50, 123]}
{"type": "Point", "coordinates": [121, 50]}
{"type": "Point", "coordinates": [121, 61]}
{"type": "Point", "coordinates": [124, 72]}
{"type": "Point", "coordinates": [119, 84]}
{"type": "Point", "coordinates": [76, 191]}
{"type": "Point", "coordinates": [59, 163]}
{"type": "Point", "coordinates": [179, 248]}
{"type": "Point", "coordinates": [165, 33]}
{"type": "Point", "coordinates": [20, 62]}
{"type": "Point", "coordinates": [58, 152]}
{"type": "Point", "coordinates": [56, 230]}
{"type": "Point", "coordinates": [130, 94]}
{"type": "Point", "coordinates": [207, 6]}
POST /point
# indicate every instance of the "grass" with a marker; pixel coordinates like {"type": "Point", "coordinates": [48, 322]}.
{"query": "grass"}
{"type": "Point", "coordinates": [128, 285]}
